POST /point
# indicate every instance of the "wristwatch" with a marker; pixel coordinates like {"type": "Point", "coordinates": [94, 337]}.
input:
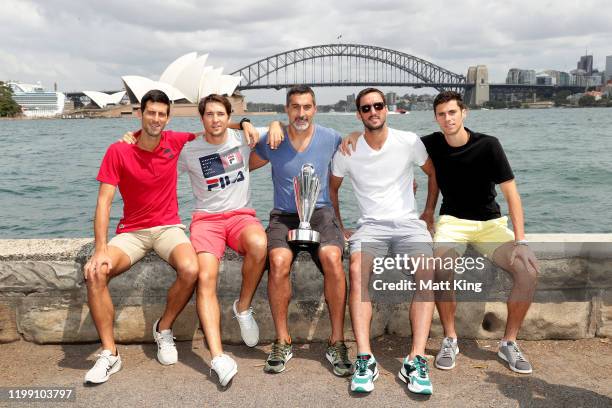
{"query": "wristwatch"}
{"type": "Point", "coordinates": [521, 242]}
{"type": "Point", "coordinates": [242, 122]}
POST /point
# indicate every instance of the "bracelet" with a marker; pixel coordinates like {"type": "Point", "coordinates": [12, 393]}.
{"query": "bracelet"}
{"type": "Point", "coordinates": [242, 121]}
{"type": "Point", "coordinates": [521, 242]}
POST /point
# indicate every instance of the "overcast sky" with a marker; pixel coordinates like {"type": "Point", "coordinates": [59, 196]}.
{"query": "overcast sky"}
{"type": "Point", "coordinates": [89, 45]}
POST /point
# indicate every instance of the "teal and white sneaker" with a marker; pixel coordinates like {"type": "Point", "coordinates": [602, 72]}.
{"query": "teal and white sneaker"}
{"type": "Point", "coordinates": [366, 372]}
{"type": "Point", "coordinates": [415, 373]}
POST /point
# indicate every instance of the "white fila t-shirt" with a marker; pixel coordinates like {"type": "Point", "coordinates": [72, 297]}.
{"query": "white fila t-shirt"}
{"type": "Point", "coordinates": [219, 174]}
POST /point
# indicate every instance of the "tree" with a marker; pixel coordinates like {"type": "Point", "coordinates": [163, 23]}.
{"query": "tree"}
{"type": "Point", "coordinates": [8, 106]}
{"type": "Point", "coordinates": [586, 100]}
{"type": "Point", "coordinates": [560, 98]}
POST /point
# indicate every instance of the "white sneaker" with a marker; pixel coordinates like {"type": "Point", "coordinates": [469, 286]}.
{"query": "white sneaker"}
{"type": "Point", "coordinates": [248, 326]}
{"type": "Point", "coordinates": [225, 367]}
{"type": "Point", "coordinates": [105, 366]}
{"type": "Point", "coordinates": [166, 349]}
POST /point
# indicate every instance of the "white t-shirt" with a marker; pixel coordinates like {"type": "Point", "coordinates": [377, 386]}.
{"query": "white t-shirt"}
{"type": "Point", "coordinates": [382, 180]}
{"type": "Point", "coordinates": [219, 174]}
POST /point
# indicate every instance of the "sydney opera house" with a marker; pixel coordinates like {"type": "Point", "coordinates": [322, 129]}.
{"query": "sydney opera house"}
{"type": "Point", "coordinates": [186, 80]}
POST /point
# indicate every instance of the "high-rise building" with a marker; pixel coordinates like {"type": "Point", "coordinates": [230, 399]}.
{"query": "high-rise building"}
{"type": "Point", "coordinates": [512, 77]}
{"type": "Point", "coordinates": [518, 76]}
{"type": "Point", "coordinates": [391, 98]}
{"type": "Point", "coordinates": [350, 101]}
{"type": "Point", "coordinates": [586, 64]}
{"type": "Point", "coordinates": [609, 68]}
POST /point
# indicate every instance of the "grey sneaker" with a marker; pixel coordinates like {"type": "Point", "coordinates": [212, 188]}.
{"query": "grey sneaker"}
{"type": "Point", "coordinates": [337, 355]}
{"type": "Point", "coordinates": [512, 354]}
{"type": "Point", "coordinates": [445, 360]}
{"type": "Point", "coordinates": [279, 356]}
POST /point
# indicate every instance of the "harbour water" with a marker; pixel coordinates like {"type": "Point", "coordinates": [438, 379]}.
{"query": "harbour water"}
{"type": "Point", "coordinates": [561, 158]}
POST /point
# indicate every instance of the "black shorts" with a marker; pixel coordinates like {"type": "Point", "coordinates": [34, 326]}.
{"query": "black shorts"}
{"type": "Point", "coordinates": [323, 221]}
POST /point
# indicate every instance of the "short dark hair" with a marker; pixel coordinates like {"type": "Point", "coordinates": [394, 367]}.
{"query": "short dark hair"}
{"type": "Point", "coordinates": [447, 96]}
{"type": "Point", "coordinates": [214, 98]}
{"type": "Point", "coordinates": [300, 90]}
{"type": "Point", "coordinates": [366, 91]}
{"type": "Point", "coordinates": [154, 95]}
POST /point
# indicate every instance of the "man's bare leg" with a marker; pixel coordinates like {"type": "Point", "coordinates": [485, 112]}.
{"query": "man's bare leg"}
{"type": "Point", "coordinates": [253, 244]}
{"type": "Point", "coordinates": [184, 260]}
{"type": "Point", "coordinates": [279, 290]}
{"type": "Point", "coordinates": [99, 299]}
{"type": "Point", "coordinates": [334, 288]}
{"type": "Point", "coordinates": [207, 302]}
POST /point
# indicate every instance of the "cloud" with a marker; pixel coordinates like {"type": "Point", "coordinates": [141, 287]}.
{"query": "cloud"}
{"type": "Point", "coordinates": [89, 45]}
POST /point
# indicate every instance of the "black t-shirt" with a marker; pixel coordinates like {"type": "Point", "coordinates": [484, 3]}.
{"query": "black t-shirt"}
{"type": "Point", "coordinates": [467, 174]}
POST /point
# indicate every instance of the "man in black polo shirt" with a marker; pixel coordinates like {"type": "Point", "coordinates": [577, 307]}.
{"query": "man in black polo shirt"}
{"type": "Point", "coordinates": [468, 166]}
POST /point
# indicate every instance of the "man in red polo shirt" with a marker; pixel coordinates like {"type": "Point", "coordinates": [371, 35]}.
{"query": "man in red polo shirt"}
{"type": "Point", "coordinates": [146, 175]}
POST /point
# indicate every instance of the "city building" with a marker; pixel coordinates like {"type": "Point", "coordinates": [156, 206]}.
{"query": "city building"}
{"type": "Point", "coordinates": [36, 101]}
{"type": "Point", "coordinates": [391, 98]}
{"type": "Point", "coordinates": [544, 79]}
{"type": "Point", "coordinates": [586, 64]}
{"type": "Point", "coordinates": [518, 76]}
{"type": "Point", "coordinates": [560, 78]}
{"type": "Point", "coordinates": [609, 68]}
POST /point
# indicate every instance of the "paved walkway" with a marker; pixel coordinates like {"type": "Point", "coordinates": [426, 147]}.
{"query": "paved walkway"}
{"type": "Point", "coordinates": [567, 374]}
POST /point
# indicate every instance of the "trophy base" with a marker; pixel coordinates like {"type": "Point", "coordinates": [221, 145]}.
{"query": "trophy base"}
{"type": "Point", "coordinates": [303, 237]}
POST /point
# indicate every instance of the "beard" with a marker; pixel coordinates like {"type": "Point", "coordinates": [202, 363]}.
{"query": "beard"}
{"type": "Point", "coordinates": [372, 127]}
{"type": "Point", "coordinates": [300, 126]}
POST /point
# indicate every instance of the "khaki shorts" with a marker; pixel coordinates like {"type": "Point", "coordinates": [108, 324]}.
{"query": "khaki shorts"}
{"type": "Point", "coordinates": [484, 236]}
{"type": "Point", "coordinates": [162, 239]}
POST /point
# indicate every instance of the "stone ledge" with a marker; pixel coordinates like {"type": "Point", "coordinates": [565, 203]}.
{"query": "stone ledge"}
{"type": "Point", "coordinates": [43, 297]}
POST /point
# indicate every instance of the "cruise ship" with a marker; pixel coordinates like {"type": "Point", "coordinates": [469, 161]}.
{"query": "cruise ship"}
{"type": "Point", "coordinates": [37, 102]}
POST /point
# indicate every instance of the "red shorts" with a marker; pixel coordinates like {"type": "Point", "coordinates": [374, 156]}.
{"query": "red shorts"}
{"type": "Point", "coordinates": [211, 232]}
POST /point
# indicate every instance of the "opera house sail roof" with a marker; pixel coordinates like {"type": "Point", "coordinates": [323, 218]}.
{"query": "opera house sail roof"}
{"type": "Point", "coordinates": [186, 79]}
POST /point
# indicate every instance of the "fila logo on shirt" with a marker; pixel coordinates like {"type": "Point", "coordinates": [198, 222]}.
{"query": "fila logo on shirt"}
{"type": "Point", "coordinates": [224, 181]}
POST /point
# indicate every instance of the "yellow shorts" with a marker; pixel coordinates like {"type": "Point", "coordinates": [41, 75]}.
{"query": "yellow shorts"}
{"type": "Point", "coordinates": [162, 239]}
{"type": "Point", "coordinates": [484, 236]}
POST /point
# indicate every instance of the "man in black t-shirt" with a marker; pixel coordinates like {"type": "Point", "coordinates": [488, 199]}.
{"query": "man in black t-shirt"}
{"type": "Point", "coordinates": [468, 166]}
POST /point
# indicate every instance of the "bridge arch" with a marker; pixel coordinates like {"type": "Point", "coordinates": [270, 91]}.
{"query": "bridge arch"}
{"type": "Point", "coordinates": [365, 65]}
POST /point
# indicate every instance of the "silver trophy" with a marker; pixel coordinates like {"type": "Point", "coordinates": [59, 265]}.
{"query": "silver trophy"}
{"type": "Point", "coordinates": [306, 187]}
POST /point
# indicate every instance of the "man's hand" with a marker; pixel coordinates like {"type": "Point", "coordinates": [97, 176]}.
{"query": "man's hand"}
{"type": "Point", "coordinates": [428, 217]}
{"type": "Point", "coordinates": [128, 137]}
{"type": "Point", "coordinates": [524, 254]}
{"type": "Point", "coordinates": [94, 265]}
{"type": "Point", "coordinates": [350, 140]}
{"type": "Point", "coordinates": [348, 232]}
{"type": "Point", "coordinates": [250, 133]}
{"type": "Point", "coordinates": [276, 134]}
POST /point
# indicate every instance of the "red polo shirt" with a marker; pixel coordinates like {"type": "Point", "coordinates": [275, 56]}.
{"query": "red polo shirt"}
{"type": "Point", "coordinates": [146, 180]}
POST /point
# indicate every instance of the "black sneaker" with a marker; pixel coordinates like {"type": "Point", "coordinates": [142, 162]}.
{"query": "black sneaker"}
{"type": "Point", "coordinates": [279, 356]}
{"type": "Point", "coordinates": [337, 355]}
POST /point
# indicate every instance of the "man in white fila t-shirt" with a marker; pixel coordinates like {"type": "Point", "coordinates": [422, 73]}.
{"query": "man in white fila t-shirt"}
{"type": "Point", "coordinates": [381, 173]}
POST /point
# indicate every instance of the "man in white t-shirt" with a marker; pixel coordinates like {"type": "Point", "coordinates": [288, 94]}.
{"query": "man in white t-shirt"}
{"type": "Point", "coordinates": [381, 173]}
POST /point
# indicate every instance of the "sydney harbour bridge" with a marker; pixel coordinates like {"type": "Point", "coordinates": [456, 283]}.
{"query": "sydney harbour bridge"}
{"type": "Point", "coordinates": [347, 65]}
{"type": "Point", "coordinates": [357, 65]}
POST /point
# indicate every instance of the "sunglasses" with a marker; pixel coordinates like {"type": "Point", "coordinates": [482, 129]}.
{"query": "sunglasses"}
{"type": "Point", "coordinates": [377, 106]}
